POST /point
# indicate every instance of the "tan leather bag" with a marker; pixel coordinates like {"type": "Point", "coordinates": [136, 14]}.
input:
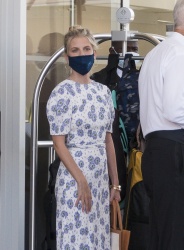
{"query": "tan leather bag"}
{"type": "Point", "coordinates": [119, 237]}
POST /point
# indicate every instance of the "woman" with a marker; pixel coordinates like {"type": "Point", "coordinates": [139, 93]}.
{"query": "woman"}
{"type": "Point", "coordinates": [80, 113]}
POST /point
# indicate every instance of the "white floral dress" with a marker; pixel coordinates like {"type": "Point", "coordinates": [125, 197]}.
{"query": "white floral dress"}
{"type": "Point", "coordinates": [84, 113]}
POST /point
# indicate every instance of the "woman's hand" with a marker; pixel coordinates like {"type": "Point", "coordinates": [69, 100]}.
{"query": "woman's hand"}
{"type": "Point", "coordinates": [84, 192]}
{"type": "Point", "coordinates": [84, 195]}
{"type": "Point", "coordinates": [114, 195]}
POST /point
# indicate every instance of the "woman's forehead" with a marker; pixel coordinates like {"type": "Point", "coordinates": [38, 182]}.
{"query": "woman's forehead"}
{"type": "Point", "coordinates": [79, 41]}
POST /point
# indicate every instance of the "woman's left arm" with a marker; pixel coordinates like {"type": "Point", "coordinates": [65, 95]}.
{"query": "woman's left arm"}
{"type": "Point", "coordinates": [112, 167]}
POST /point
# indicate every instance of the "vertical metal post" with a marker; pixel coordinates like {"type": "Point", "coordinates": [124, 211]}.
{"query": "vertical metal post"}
{"type": "Point", "coordinates": [34, 145]}
{"type": "Point", "coordinates": [72, 11]}
{"type": "Point", "coordinates": [124, 43]}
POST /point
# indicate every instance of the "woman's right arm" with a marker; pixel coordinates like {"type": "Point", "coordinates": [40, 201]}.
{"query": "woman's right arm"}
{"type": "Point", "coordinates": [84, 192]}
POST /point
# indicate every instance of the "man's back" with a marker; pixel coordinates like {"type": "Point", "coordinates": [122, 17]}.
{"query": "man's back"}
{"type": "Point", "coordinates": [161, 85]}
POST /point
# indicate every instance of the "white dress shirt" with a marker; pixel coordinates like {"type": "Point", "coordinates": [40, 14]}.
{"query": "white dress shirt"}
{"type": "Point", "coordinates": [161, 86]}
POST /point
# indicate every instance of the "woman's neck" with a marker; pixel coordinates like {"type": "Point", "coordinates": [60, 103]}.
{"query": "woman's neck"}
{"type": "Point", "coordinates": [80, 78]}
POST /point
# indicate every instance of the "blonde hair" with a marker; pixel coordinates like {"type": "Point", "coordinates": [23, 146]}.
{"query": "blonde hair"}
{"type": "Point", "coordinates": [78, 31]}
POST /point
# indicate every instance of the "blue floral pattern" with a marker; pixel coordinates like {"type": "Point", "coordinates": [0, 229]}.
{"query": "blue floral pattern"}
{"type": "Point", "coordinates": [83, 113]}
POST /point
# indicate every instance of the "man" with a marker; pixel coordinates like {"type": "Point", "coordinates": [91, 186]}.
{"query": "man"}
{"type": "Point", "coordinates": [111, 74]}
{"type": "Point", "coordinates": [161, 90]}
{"type": "Point", "coordinates": [132, 46]}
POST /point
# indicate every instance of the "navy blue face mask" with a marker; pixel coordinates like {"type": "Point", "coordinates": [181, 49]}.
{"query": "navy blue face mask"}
{"type": "Point", "coordinates": [81, 64]}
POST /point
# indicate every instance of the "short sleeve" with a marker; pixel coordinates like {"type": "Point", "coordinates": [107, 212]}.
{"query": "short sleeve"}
{"type": "Point", "coordinates": [59, 111]}
{"type": "Point", "coordinates": [111, 111]}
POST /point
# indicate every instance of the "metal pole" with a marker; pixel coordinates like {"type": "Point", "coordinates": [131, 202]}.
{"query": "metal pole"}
{"type": "Point", "coordinates": [34, 145]}
{"type": "Point", "coordinates": [72, 12]}
{"type": "Point", "coordinates": [145, 37]}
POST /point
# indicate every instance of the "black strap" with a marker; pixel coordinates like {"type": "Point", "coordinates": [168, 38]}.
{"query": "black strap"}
{"type": "Point", "coordinates": [111, 71]}
{"type": "Point", "coordinates": [113, 60]}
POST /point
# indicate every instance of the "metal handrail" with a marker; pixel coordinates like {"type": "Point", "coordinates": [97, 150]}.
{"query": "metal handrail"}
{"type": "Point", "coordinates": [45, 144]}
{"type": "Point", "coordinates": [149, 38]}
{"type": "Point", "coordinates": [34, 124]}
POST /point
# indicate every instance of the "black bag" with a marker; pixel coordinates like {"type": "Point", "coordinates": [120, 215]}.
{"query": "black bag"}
{"type": "Point", "coordinates": [128, 98]}
{"type": "Point", "coordinates": [108, 75]}
{"type": "Point", "coordinates": [136, 212]}
{"type": "Point", "coordinates": [49, 242]}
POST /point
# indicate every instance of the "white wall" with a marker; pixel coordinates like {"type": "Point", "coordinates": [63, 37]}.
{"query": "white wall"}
{"type": "Point", "coordinates": [160, 4]}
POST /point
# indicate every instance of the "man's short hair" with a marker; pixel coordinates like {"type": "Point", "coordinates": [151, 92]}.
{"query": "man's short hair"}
{"type": "Point", "coordinates": [132, 46]}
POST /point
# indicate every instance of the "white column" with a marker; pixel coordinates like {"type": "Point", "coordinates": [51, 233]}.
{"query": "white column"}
{"type": "Point", "coordinates": [115, 5]}
{"type": "Point", "coordinates": [12, 105]}
{"type": "Point", "coordinates": [126, 3]}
